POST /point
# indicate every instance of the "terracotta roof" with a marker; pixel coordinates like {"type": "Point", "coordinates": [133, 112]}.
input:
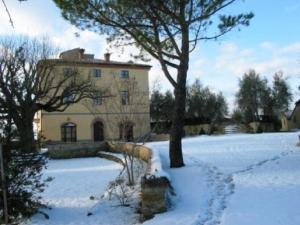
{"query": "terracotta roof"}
{"type": "Point", "coordinates": [100, 62]}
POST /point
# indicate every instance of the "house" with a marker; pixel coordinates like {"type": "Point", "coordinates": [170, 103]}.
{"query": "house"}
{"type": "Point", "coordinates": [124, 112]}
{"type": "Point", "coordinates": [291, 120]}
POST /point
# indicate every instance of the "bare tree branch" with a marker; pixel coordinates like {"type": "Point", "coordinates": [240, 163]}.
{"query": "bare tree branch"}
{"type": "Point", "coordinates": [9, 16]}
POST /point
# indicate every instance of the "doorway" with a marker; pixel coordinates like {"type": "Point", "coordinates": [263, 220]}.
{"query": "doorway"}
{"type": "Point", "coordinates": [98, 131]}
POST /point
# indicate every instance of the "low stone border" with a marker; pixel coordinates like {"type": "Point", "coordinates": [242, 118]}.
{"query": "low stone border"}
{"type": "Point", "coordinates": [74, 150]}
{"type": "Point", "coordinates": [139, 151]}
{"type": "Point", "coordinates": [110, 157]}
{"type": "Point", "coordinates": [154, 190]}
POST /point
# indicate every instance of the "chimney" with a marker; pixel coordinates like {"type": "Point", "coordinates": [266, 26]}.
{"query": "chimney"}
{"type": "Point", "coordinates": [107, 57]}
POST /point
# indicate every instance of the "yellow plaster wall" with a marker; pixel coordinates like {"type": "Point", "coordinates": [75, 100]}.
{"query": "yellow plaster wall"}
{"type": "Point", "coordinates": [51, 124]}
{"type": "Point", "coordinates": [111, 112]}
{"type": "Point", "coordinates": [293, 122]}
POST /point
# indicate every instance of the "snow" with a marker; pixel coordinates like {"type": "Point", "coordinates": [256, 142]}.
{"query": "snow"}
{"type": "Point", "coordinates": [237, 179]}
{"type": "Point", "coordinates": [75, 181]}
{"type": "Point", "coordinates": [156, 168]}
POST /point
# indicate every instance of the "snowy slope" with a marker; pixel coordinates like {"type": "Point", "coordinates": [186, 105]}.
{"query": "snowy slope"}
{"type": "Point", "coordinates": [235, 180]}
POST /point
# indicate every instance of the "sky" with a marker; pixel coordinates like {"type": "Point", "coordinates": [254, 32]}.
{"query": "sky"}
{"type": "Point", "coordinates": [270, 44]}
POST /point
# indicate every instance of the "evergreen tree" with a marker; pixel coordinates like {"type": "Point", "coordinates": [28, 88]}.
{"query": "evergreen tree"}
{"type": "Point", "coordinates": [23, 175]}
{"type": "Point", "coordinates": [252, 95]}
{"type": "Point", "coordinates": [203, 103]}
{"type": "Point", "coordinates": [256, 99]}
{"type": "Point", "coordinates": [281, 93]}
{"type": "Point", "coordinates": [161, 104]}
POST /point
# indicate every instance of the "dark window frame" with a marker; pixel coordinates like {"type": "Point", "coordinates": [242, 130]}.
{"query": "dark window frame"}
{"type": "Point", "coordinates": [68, 98]}
{"type": "Point", "coordinates": [126, 131]}
{"type": "Point", "coordinates": [67, 71]}
{"type": "Point", "coordinates": [68, 132]}
{"type": "Point", "coordinates": [125, 97]}
{"type": "Point", "coordinates": [124, 74]}
{"type": "Point", "coordinates": [97, 100]}
{"type": "Point", "coordinates": [97, 73]}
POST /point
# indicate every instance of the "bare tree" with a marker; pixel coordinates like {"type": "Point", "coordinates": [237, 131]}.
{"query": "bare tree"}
{"type": "Point", "coordinates": [30, 82]}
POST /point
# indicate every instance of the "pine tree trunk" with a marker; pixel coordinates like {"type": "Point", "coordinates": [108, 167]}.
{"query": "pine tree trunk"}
{"type": "Point", "coordinates": [175, 148]}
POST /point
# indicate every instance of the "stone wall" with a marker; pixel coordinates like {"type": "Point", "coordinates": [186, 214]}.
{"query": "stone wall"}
{"type": "Point", "coordinates": [154, 195]}
{"type": "Point", "coordinates": [258, 127]}
{"type": "Point", "coordinates": [60, 150]}
{"type": "Point", "coordinates": [139, 151]}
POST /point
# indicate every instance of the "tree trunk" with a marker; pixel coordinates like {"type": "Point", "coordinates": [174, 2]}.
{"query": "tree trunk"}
{"type": "Point", "coordinates": [26, 134]}
{"type": "Point", "coordinates": [27, 142]}
{"type": "Point", "coordinates": [175, 148]}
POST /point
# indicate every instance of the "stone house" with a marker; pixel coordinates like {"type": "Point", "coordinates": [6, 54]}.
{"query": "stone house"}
{"type": "Point", "coordinates": [291, 120]}
{"type": "Point", "coordinates": [125, 111]}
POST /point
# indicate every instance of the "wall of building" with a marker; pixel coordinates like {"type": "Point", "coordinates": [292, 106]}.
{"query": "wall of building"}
{"type": "Point", "coordinates": [51, 125]}
{"type": "Point", "coordinates": [295, 119]}
{"type": "Point", "coordinates": [111, 112]}
{"type": "Point", "coordinates": [293, 122]}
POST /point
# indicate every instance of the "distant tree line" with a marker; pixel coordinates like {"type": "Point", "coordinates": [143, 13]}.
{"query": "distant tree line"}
{"type": "Point", "coordinates": [202, 105]}
{"type": "Point", "coordinates": [257, 101]}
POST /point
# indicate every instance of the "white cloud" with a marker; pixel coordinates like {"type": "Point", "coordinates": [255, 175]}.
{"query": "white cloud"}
{"type": "Point", "coordinates": [91, 42]}
{"type": "Point", "coordinates": [222, 70]}
{"type": "Point", "coordinates": [24, 23]}
{"type": "Point", "coordinates": [237, 60]}
{"type": "Point", "coordinates": [267, 45]}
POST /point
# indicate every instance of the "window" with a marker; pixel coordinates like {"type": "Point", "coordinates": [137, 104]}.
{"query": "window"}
{"type": "Point", "coordinates": [67, 72]}
{"type": "Point", "coordinates": [126, 131]}
{"type": "Point", "coordinates": [68, 132]}
{"type": "Point", "coordinates": [68, 98]}
{"type": "Point", "coordinates": [97, 73]}
{"type": "Point", "coordinates": [97, 98]}
{"type": "Point", "coordinates": [124, 97]}
{"type": "Point", "coordinates": [124, 74]}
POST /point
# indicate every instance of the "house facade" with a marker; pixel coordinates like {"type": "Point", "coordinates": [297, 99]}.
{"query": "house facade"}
{"type": "Point", "coordinates": [291, 120]}
{"type": "Point", "coordinates": [119, 110]}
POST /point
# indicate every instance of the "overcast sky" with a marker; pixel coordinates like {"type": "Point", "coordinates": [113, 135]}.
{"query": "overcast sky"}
{"type": "Point", "coordinates": [270, 44]}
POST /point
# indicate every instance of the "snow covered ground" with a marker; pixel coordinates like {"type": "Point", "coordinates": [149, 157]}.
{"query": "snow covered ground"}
{"type": "Point", "coordinates": [75, 181]}
{"type": "Point", "coordinates": [235, 180]}
{"type": "Point", "coordinates": [230, 180]}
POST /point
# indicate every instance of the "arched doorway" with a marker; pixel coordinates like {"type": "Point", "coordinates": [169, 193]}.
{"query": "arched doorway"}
{"type": "Point", "coordinates": [68, 132]}
{"type": "Point", "coordinates": [98, 131]}
{"type": "Point", "coordinates": [126, 131]}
